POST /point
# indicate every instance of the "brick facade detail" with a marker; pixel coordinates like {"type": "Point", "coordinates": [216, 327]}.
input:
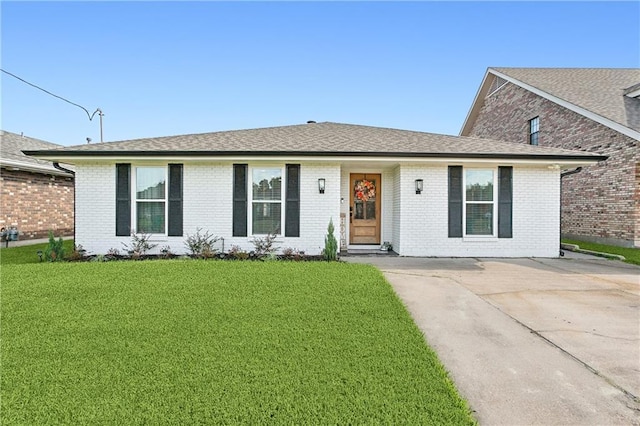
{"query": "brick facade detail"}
{"type": "Point", "coordinates": [601, 203]}
{"type": "Point", "coordinates": [35, 203]}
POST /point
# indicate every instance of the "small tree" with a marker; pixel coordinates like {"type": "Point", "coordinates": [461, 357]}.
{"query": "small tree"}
{"type": "Point", "coordinates": [55, 250]}
{"type": "Point", "coordinates": [330, 252]}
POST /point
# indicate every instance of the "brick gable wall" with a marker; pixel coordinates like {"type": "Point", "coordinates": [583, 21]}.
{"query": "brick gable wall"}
{"type": "Point", "coordinates": [36, 203]}
{"type": "Point", "coordinates": [601, 203]}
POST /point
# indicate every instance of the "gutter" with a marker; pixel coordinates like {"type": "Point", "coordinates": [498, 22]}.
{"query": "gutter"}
{"type": "Point", "coordinates": [200, 153]}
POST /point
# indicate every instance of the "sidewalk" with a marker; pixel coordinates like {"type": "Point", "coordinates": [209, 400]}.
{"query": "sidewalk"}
{"type": "Point", "coordinates": [21, 243]}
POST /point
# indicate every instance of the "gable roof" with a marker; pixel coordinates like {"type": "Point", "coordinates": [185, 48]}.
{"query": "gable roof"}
{"type": "Point", "coordinates": [601, 94]}
{"type": "Point", "coordinates": [316, 140]}
{"type": "Point", "coordinates": [11, 156]}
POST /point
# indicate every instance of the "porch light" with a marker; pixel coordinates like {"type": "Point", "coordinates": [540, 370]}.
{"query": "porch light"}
{"type": "Point", "coordinates": [419, 184]}
{"type": "Point", "coordinates": [321, 184]}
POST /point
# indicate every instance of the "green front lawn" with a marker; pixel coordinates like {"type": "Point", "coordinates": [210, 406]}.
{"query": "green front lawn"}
{"type": "Point", "coordinates": [192, 342]}
{"type": "Point", "coordinates": [27, 254]}
{"type": "Point", "coordinates": [631, 254]}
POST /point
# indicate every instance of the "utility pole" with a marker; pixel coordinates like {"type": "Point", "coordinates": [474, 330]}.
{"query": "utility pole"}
{"type": "Point", "coordinates": [101, 114]}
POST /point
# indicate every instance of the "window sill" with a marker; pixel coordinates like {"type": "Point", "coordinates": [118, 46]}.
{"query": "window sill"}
{"type": "Point", "coordinates": [481, 239]}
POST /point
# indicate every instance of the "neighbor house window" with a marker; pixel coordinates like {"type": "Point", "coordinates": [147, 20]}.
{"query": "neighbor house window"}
{"type": "Point", "coordinates": [266, 201]}
{"type": "Point", "coordinates": [150, 199]}
{"type": "Point", "coordinates": [479, 205]}
{"type": "Point", "coordinates": [534, 125]}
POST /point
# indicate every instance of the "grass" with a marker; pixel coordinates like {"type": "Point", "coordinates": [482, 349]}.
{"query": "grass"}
{"type": "Point", "coordinates": [632, 255]}
{"type": "Point", "coordinates": [27, 254]}
{"type": "Point", "coordinates": [189, 342]}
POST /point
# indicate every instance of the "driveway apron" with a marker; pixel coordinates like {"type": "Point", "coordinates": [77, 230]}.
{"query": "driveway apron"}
{"type": "Point", "coordinates": [530, 341]}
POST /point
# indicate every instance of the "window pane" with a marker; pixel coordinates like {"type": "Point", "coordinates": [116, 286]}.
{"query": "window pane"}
{"type": "Point", "coordinates": [359, 214]}
{"type": "Point", "coordinates": [480, 219]}
{"type": "Point", "coordinates": [267, 184]}
{"type": "Point", "coordinates": [533, 125]}
{"type": "Point", "coordinates": [150, 183]}
{"type": "Point", "coordinates": [266, 218]}
{"type": "Point", "coordinates": [371, 209]}
{"type": "Point", "coordinates": [533, 138]}
{"type": "Point", "coordinates": [150, 217]}
{"type": "Point", "coordinates": [479, 185]}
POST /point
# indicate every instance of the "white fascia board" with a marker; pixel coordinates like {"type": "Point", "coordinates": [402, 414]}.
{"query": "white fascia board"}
{"type": "Point", "coordinates": [480, 94]}
{"type": "Point", "coordinates": [541, 161]}
{"type": "Point", "coordinates": [634, 94]}
{"type": "Point", "coordinates": [30, 167]}
{"type": "Point", "coordinates": [568, 105]}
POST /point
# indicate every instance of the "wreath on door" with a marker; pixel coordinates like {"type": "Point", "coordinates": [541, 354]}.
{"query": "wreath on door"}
{"type": "Point", "coordinates": [364, 190]}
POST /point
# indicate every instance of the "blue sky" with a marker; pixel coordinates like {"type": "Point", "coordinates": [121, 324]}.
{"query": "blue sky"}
{"type": "Point", "coordinates": [166, 68]}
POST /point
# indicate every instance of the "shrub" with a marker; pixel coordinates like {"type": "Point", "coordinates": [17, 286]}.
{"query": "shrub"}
{"type": "Point", "coordinates": [139, 245]}
{"type": "Point", "coordinates": [235, 252]}
{"type": "Point", "coordinates": [264, 245]}
{"type": "Point", "coordinates": [292, 254]}
{"type": "Point", "coordinates": [55, 250]}
{"type": "Point", "coordinates": [112, 253]}
{"type": "Point", "coordinates": [201, 245]}
{"type": "Point", "coordinates": [330, 252]}
{"type": "Point", "coordinates": [78, 253]}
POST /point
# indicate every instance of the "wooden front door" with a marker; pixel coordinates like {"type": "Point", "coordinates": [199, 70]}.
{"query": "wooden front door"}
{"type": "Point", "coordinates": [364, 210]}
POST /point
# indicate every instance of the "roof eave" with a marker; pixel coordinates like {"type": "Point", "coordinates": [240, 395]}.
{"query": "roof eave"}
{"type": "Point", "coordinates": [476, 105]}
{"type": "Point", "coordinates": [68, 155]}
{"type": "Point", "coordinates": [32, 168]}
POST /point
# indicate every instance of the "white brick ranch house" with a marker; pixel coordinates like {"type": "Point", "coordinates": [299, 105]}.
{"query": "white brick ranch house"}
{"type": "Point", "coordinates": [426, 194]}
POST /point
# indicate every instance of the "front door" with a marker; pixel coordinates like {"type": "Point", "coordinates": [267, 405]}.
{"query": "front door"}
{"type": "Point", "coordinates": [364, 210]}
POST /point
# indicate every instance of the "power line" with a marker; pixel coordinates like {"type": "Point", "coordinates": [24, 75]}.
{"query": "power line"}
{"type": "Point", "coordinates": [90, 116]}
{"type": "Point", "coordinates": [53, 94]}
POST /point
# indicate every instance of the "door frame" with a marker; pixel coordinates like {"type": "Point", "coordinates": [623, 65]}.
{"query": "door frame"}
{"type": "Point", "coordinates": [378, 211]}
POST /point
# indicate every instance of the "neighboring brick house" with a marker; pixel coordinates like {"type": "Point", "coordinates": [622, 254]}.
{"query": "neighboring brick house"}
{"type": "Point", "coordinates": [595, 110]}
{"type": "Point", "coordinates": [35, 197]}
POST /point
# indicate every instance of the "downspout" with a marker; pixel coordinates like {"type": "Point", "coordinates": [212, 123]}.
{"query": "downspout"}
{"type": "Point", "coordinates": [562, 175]}
{"type": "Point", "coordinates": [71, 172]}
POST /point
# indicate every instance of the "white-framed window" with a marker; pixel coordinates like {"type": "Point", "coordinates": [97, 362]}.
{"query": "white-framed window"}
{"type": "Point", "coordinates": [150, 199]}
{"type": "Point", "coordinates": [534, 127]}
{"type": "Point", "coordinates": [479, 202]}
{"type": "Point", "coordinates": [266, 211]}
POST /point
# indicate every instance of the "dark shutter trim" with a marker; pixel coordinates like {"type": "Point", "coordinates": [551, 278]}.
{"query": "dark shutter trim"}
{"type": "Point", "coordinates": [505, 202]}
{"type": "Point", "coordinates": [455, 201]}
{"type": "Point", "coordinates": [240, 200]}
{"type": "Point", "coordinates": [175, 200]}
{"type": "Point", "coordinates": [292, 201]}
{"type": "Point", "coordinates": [123, 200]}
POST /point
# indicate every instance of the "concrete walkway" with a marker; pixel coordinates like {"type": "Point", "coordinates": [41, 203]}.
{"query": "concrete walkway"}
{"type": "Point", "coordinates": [530, 341]}
{"type": "Point", "coordinates": [21, 243]}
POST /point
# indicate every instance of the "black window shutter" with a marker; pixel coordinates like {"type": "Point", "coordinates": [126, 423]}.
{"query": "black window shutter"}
{"type": "Point", "coordinates": [175, 200]}
{"type": "Point", "coordinates": [455, 201]}
{"type": "Point", "coordinates": [240, 200]}
{"type": "Point", "coordinates": [292, 202]}
{"type": "Point", "coordinates": [123, 200]}
{"type": "Point", "coordinates": [505, 202]}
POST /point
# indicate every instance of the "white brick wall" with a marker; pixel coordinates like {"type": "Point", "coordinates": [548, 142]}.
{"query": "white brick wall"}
{"type": "Point", "coordinates": [424, 218]}
{"type": "Point", "coordinates": [415, 224]}
{"type": "Point", "coordinates": [208, 197]}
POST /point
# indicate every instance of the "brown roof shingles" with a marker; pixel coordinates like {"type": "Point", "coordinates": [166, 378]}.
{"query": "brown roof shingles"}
{"type": "Point", "coordinates": [598, 90]}
{"type": "Point", "coordinates": [315, 139]}
{"type": "Point", "coordinates": [12, 145]}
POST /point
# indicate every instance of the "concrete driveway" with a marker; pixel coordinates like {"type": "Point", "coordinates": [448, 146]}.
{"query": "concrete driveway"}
{"type": "Point", "coordinates": [530, 341]}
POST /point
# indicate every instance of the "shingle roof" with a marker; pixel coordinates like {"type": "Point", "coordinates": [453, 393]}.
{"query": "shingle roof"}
{"type": "Point", "coordinates": [12, 145]}
{"type": "Point", "coordinates": [598, 90]}
{"type": "Point", "coordinates": [317, 139]}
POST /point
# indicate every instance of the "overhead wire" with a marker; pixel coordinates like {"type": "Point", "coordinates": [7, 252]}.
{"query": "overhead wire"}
{"type": "Point", "coordinates": [54, 95]}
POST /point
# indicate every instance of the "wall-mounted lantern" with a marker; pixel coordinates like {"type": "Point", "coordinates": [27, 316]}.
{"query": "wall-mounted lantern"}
{"type": "Point", "coordinates": [321, 185]}
{"type": "Point", "coordinates": [419, 186]}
